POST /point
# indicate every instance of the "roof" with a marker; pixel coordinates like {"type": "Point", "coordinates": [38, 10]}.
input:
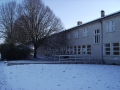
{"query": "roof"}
{"type": "Point", "coordinates": [98, 19]}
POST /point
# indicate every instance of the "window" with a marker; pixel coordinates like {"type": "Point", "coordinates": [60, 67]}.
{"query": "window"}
{"type": "Point", "coordinates": [71, 50]}
{"type": "Point", "coordinates": [107, 49]}
{"type": "Point", "coordinates": [61, 50]}
{"type": "Point", "coordinates": [56, 51]}
{"type": "Point", "coordinates": [68, 50]}
{"type": "Point", "coordinates": [76, 34]}
{"type": "Point", "coordinates": [83, 49]}
{"type": "Point", "coordinates": [79, 49]}
{"type": "Point", "coordinates": [97, 36]}
{"type": "Point", "coordinates": [85, 32]}
{"type": "Point", "coordinates": [110, 26]}
{"type": "Point", "coordinates": [75, 50]}
{"type": "Point", "coordinates": [69, 36]}
{"type": "Point", "coordinates": [64, 50]}
{"type": "Point", "coordinates": [116, 49]}
{"type": "Point", "coordinates": [112, 49]}
{"type": "Point", "coordinates": [88, 49]}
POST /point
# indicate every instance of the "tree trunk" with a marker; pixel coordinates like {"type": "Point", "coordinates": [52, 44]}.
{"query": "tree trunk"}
{"type": "Point", "coordinates": [35, 52]}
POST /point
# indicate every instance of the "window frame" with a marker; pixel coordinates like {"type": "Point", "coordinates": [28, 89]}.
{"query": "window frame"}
{"type": "Point", "coordinates": [76, 34]}
{"type": "Point", "coordinates": [116, 51]}
{"type": "Point", "coordinates": [112, 51]}
{"type": "Point", "coordinates": [97, 36]}
{"type": "Point", "coordinates": [110, 26]}
{"type": "Point", "coordinates": [88, 49]}
{"type": "Point", "coordinates": [69, 36]}
{"type": "Point", "coordinates": [85, 32]}
{"type": "Point", "coordinates": [106, 47]}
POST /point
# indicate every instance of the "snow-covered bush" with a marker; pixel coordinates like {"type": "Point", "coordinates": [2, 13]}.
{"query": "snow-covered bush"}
{"type": "Point", "coordinates": [11, 51]}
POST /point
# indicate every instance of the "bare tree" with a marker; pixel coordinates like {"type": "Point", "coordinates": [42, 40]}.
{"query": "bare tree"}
{"type": "Point", "coordinates": [37, 23]}
{"type": "Point", "coordinates": [8, 15]}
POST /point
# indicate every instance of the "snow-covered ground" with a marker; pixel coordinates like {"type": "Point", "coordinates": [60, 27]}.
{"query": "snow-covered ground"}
{"type": "Point", "coordinates": [59, 77]}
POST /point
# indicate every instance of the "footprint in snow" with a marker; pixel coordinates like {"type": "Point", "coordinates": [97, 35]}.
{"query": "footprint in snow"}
{"type": "Point", "coordinates": [58, 85]}
{"type": "Point", "coordinates": [98, 80]}
{"type": "Point", "coordinates": [89, 87]}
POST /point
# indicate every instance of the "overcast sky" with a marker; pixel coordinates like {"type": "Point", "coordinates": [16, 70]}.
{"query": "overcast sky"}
{"type": "Point", "coordinates": [71, 11]}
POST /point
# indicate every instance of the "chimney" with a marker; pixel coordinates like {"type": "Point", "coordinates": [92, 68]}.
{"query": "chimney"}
{"type": "Point", "coordinates": [102, 13]}
{"type": "Point", "coordinates": [79, 23]}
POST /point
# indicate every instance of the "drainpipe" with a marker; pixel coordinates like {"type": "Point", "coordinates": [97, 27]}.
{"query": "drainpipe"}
{"type": "Point", "coordinates": [102, 16]}
{"type": "Point", "coordinates": [102, 40]}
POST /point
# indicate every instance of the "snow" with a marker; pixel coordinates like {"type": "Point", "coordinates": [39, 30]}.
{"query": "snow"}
{"type": "Point", "coordinates": [59, 77]}
{"type": "Point", "coordinates": [3, 79]}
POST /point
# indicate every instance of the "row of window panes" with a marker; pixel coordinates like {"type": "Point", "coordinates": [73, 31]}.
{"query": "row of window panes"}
{"type": "Point", "coordinates": [112, 49]}
{"type": "Point", "coordinates": [76, 34]}
{"type": "Point", "coordinates": [110, 28]}
{"type": "Point", "coordinates": [85, 33]}
{"type": "Point", "coordinates": [114, 53]}
{"type": "Point", "coordinates": [74, 50]}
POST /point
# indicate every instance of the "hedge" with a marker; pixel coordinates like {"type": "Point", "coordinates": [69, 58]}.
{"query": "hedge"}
{"type": "Point", "coordinates": [10, 51]}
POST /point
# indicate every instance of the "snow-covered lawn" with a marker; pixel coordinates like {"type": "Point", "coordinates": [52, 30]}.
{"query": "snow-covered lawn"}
{"type": "Point", "coordinates": [59, 77]}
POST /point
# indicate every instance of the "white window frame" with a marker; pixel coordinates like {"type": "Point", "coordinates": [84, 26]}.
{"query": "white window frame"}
{"type": "Point", "coordinates": [76, 34]}
{"type": "Point", "coordinates": [110, 26]}
{"type": "Point", "coordinates": [75, 50]}
{"type": "Point", "coordinates": [88, 49]}
{"type": "Point", "coordinates": [69, 36]}
{"type": "Point", "coordinates": [64, 50]}
{"type": "Point", "coordinates": [85, 32]}
{"type": "Point", "coordinates": [111, 51]}
{"type": "Point", "coordinates": [106, 47]}
{"type": "Point", "coordinates": [71, 49]}
{"type": "Point", "coordinates": [96, 36]}
{"type": "Point", "coordinates": [84, 49]}
{"type": "Point", "coordinates": [118, 51]}
{"type": "Point", "coordinates": [68, 49]}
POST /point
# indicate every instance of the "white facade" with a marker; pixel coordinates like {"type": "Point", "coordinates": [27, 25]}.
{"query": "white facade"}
{"type": "Point", "coordinates": [100, 38]}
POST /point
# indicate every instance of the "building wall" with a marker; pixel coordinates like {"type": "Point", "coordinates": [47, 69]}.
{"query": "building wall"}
{"type": "Point", "coordinates": [99, 49]}
{"type": "Point", "coordinates": [88, 40]}
{"type": "Point", "coordinates": [41, 51]}
{"type": "Point", "coordinates": [112, 38]}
